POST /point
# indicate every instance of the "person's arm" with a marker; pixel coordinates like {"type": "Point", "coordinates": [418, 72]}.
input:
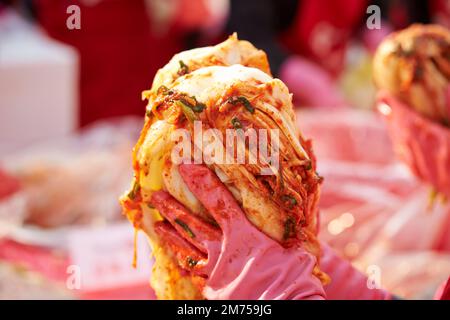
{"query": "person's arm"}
{"type": "Point", "coordinates": [347, 283]}
{"type": "Point", "coordinates": [238, 261]}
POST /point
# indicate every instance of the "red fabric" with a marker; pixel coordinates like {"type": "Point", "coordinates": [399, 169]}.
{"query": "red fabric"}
{"type": "Point", "coordinates": [322, 29]}
{"type": "Point", "coordinates": [440, 12]}
{"type": "Point", "coordinates": [119, 53]}
{"type": "Point", "coordinates": [398, 16]}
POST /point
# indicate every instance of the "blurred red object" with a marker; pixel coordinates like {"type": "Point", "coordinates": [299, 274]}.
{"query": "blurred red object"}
{"type": "Point", "coordinates": [53, 264]}
{"type": "Point", "coordinates": [8, 184]}
{"type": "Point", "coordinates": [319, 34]}
{"type": "Point", "coordinates": [50, 263]}
{"type": "Point", "coordinates": [311, 85]}
{"type": "Point", "coordinates": [120, 53]}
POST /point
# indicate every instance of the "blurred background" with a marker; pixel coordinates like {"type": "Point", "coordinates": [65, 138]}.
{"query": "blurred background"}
{"type": "Point", "coordinates": [70, 111]}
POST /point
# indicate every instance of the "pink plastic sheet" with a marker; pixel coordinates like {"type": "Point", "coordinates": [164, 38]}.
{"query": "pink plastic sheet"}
{"type": "Point", "coordinates": [76, 179]}
{"type": "Point", "coordinates": [373, 211]}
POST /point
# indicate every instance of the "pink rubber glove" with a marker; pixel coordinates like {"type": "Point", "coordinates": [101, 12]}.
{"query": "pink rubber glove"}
{"type": "Point", "coordinates": [311, 84]}
{"type": "Point", "coordinates": [347, 283]}
{"type": "Point", "coordinates": [242, 262]}
{"type": "Point", "coordinates": [443, 292]}
{"type": "Point", "coordinates": [372, 38]}
{"type": "Point", "coordinates": [421, 143]}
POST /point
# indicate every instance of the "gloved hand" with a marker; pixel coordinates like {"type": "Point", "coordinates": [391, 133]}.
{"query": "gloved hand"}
{"type": "Point", "coordinates": [421, 143]}
{"type": "Point", "coordinates": [443, 292]}
{"type": "Point", "coordinates": [241, 262]}
{"type": "Point", "coordinates": [311, 84]}
{"type": "Point", "coordinates": [236, 261]}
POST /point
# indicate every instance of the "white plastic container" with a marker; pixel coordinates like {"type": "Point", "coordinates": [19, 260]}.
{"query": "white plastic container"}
{"type": "Point", "coordinates": [38, 85]}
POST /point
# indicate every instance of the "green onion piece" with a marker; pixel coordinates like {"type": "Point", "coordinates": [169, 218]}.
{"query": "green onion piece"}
{"type": "Point", "coordinates": [242, 100]}
{"type": "Point", "coordinates": [162, 90]}
{"type": "Point", "coordinates": [184, 69]}
{"type": "Point", "coordinates": [134, 191]}
{"type": "Point", "coordinates": [185, 227]}
{"type": "Point", "coordinates": [199, 107]}
{"type": "Point", "coordinates": [189, 101]}
{"type": "Point", "coordinates": [289, 228]}
{"type": "Point", "coordinates": [236, 123]}
{"type": "Point", "coordinates": [148, 113]}
{"type": "Point", "coordinates": [290, 199]}
{"type": "Point", "coordinates": [191, 262]}
{"type": "Point", "coordinates": [308, 165]}
{"type": "Point", "coordinates": [194, 104]}
{"type": "Point", "coordinates": [188, 112]}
